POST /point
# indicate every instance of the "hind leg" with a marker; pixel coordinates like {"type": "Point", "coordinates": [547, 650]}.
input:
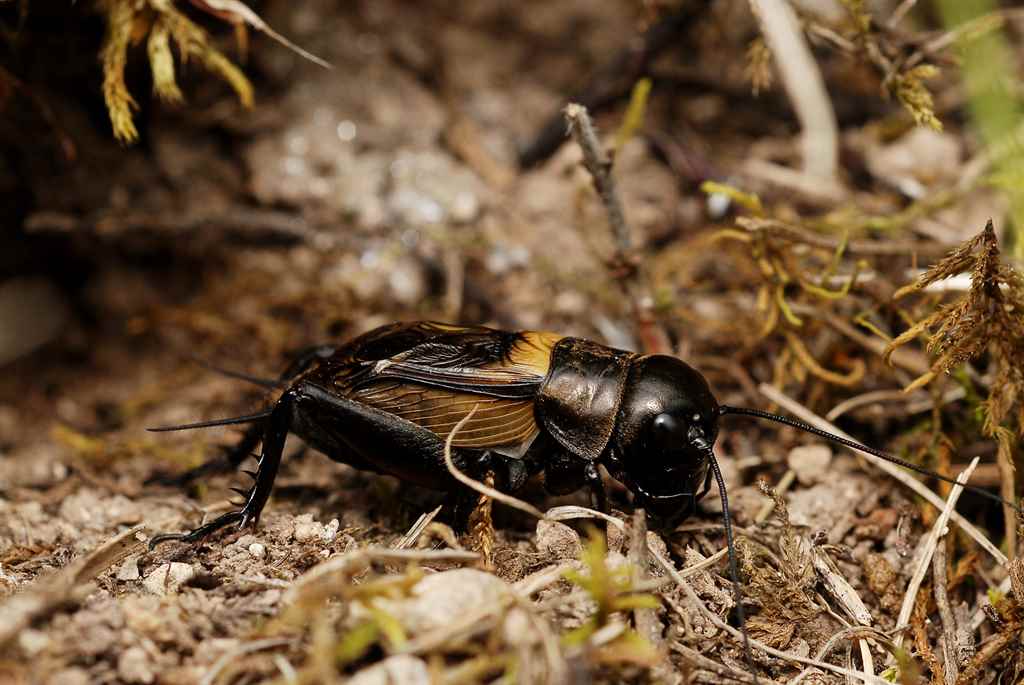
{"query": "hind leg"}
{"type": "Point", "coordinates": [233, 456]}
{"type": "Point", "coordinates": [276, 431]}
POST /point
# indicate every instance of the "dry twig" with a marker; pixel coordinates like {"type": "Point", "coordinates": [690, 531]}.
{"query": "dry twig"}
{"type": "Point", "coordinates": [792, 406]}
{"type": "Point", "coordinates": [938, 530]}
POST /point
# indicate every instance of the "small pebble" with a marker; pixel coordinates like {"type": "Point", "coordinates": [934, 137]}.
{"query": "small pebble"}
{"type": "Point", "coordinates": [257, 550]}
{"type": "Point", "coordinates": [167, 578]}
{"type": "Point", "coordinates": [810, 463]}
{"type": "Point", "coordinates": [558, 541]}
{"type": "Point", "coordinates": [134, 667]}
{"type": "Point", "coordinates": [306, 528]}
{"type": "Point", "coordinates": [32, 641]}
{"type": "Point", "coordinates": [70, 676]}
{"type": "Point", "coordinates": [129, 569]}
{"type": "Point", "coordinates": [331, 530]}
{"type": "Point", "coordinates": [401, 668]}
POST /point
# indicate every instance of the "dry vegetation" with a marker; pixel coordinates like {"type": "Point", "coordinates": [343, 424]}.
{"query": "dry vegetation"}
{"type": "Point", "coordinates": [818, 208]}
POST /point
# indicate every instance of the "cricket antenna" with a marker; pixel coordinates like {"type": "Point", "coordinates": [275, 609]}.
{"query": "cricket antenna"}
{"type": "Point", "coordinates": [733, 570]}
{"type": "Point", "coordinates": [796, 423]}
{"type": "Point", "coordinates": [237, 375]}
{"type": "Point", "coordinates": [251, 418]}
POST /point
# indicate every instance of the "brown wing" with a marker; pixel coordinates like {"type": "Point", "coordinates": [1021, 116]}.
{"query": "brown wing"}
{"type": "Point", "coordinates": [434, 374]}
{"type": "Point", "coordinates": [496, 422]}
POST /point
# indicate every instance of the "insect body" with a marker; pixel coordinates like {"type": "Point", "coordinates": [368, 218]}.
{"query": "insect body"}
{"type": "Point", "coordinates": [540, 403]}
{"type": "Point", "coordinates": [524, 403]}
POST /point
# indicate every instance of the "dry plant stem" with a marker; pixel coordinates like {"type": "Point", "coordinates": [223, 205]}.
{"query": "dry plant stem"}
{"type": "Point", "coordinates": [793, 407]}
{"type": "Point", "coordinates": [343, 562]}
{"type": "Point", "coordinates": [905, 358]}
{"type": "Point", "coordinates": [771, 651]}
{"type": "Point", "coordinates": [633, 278]}
{"type": "Point", "coordinates": [802, 80]}
{"type": "Point", "coordinates": [839, 588]}
{"type": "Point", "coordinates": [1006, 637]}
{"type": "Point", "coordinates": [410, 538]}
{"type": "Point", "coordinates": [785, 483]}
{"type": "Point", "coordinates": [569, 512]}
{"type": "Point", "coordinates": [897, 15]}
{"type": "Point", "coordinates": [949, 645]}
{"type": "Point", "coordinates": [860, 633]}
{"type": "Point", "coordinates": [600, 167]}
{"type": "Point", "coordinates": [854, 248]}
{"type": "Point", "coordinates": [938, 530]}
{"type": "Point", "coordinates": [68, 585]}
{"type": "Point", "coordinates": [476, 485]}
{"type": "Point", "coordinates": [644, 618]}
{"type": "Point", "coordinates": [248, 648]}
{"type": "Point", "coordinates": [722, 670]}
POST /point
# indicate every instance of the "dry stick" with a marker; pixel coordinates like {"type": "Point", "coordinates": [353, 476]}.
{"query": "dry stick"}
{"type": "Point", "coordinates": [722, 670]}
{"type": "Point", "coordinates": [634, 280]}
{"type": "Point", "coordinates": [805, 87]}
{"type": "Point", "coordinates": [646, 621]}
{"type": "Point", "coordinates": [248, 648]}
{"type": "Point", "coordinates": [68, 585]}
{"type": "Point", "coordinates": [949, 644]}
{"type": "Point", "coordinates": [793, 407]}
{"type": "Point", "coordinates": [771, 651]}
{"type": "Point", "coordinates": [853, 633]}
{"type": "Point", "coordinates": [938, 530]}
{"type": "Point", "coordinates": [410, 538]}
{"type": "Point", "coordinates": [600, 167]}
{"type": "Point", "coordinates": [476, 485]}
{"type": "Point", "coordinates": [568, 512]}
{"type": "Point", "coordinates": [343, 562]}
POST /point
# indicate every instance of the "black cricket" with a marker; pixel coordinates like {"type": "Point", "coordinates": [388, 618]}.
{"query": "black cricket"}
{"type": "Point", "coordinates": [541, 403]}
{"type": "Point", "coordinates": [387, 400]}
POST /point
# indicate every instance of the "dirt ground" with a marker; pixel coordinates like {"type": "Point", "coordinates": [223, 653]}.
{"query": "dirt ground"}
{"type": "Point", "coordinates": [411, 181]}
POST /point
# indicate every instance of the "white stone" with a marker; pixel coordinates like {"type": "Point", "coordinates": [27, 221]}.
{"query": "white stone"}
{"type": "Point", "coordinates": [167, 578]}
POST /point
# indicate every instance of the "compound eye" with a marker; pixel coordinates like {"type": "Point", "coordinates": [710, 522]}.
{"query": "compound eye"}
{"type": "Point", "coordinates": [667, 432]}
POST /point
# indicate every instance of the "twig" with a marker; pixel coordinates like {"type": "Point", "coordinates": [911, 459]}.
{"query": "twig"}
{"type": "Point", "coordinates": [476, 485]}
{"type": "Point", "coordinates": [600, 167]}
{"type": "Point", "coordinates": [630, 274]}
{"type": "Point", "coordinates": [615, 81]}
{"type": "Point", "coordinates": [897, 15]}
{"type": "Point", "coordinates": [949, 646]}
{"type": "Point", "coordinates": [804, 85]}
{"type": "Point", "coordinates": [644, 618]}
{"type": "Point", "coordinates": [793, 233]}
{"type": "Point", "coordinates": [860, 633]}
{"type": "Point", "coordinates": [68, 585]}
{"type": "Point", "coordinates": [721, 670]}
{"type": "Point", "coordinates": [793, 407]}
{"type": "Point", "coordinates": [938, 530]}
{"type": "Point", "coordinates": [349, 560]}
{"type": "Point", "coordinates": [771, 651]}
{"type": "Point", "coordinates": [571, 511]}
{"type": "Point", "coordinates": [785, 483]}
{"type": "Point", "coordinates": [240, 650]}
{"type": "Point", "coordinates": [409, 539]}
{"type": "Point", "coordinates": [840, 588]}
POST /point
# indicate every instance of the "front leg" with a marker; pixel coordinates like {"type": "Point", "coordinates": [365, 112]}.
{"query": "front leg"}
{"type": "Point", "coordinates": [276, 431]}
{"type": "Point", "coordinates": [598, 495]}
